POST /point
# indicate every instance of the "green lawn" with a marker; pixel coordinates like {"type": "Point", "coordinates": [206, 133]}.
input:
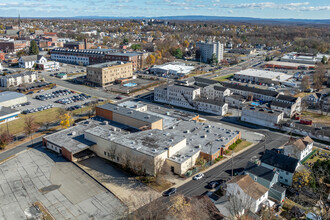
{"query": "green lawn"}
{"type": "Point", "coordinates": [224, 78]}
{"type": "Point", "coordinates": [241, 146]}
{"type": "Point", "coordinates": [17, 126]}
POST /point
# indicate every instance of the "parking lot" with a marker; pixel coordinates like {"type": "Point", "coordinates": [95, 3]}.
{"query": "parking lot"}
{"type": "Point", "coordinates": [56, 97]}
{"type": "Point", "coordinates": [38, 175]}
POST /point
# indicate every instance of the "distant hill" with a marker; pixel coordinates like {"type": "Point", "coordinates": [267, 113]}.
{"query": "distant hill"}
{"type": "Point", "coordinates": [217, 18]}
{"type": "Point", "coordinates": [205, 18]}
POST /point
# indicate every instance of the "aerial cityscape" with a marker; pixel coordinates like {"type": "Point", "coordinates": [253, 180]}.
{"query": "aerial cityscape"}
{"type": "Point", "coordinates": [165, 109]}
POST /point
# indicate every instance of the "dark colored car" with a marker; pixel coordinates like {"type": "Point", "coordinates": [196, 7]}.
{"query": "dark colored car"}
{"type": "Point", "coordinates": [213, 184]}
{"type": "Point", "coordinates": [119, 97]}
{"type": "Point", "coordinates": [29, 93]}
{"type": "Point", "coordinates": [169, 192]}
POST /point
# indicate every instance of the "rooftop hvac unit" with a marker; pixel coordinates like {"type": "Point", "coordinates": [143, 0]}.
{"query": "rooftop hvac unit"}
{"type": "Point", "coordinates": [73, 133]}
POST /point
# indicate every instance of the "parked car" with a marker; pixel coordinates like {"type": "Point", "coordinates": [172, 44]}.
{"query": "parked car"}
{"type": "Point", "coordinates": [119, 97]}
{"type": "Point", "coordinates": [213, 184]}
{"type": "Point", "coordinates": [198, 176]}
{"type": "Point", "coordinates": [169, 192]}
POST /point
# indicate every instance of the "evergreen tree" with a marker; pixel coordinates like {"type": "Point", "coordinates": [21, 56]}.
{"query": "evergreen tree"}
{"type": "Point", "coordinates": [34, 49]}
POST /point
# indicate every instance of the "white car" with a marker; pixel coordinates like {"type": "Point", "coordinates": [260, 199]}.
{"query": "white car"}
{"type": "Point", "coordinates": [198, 176]}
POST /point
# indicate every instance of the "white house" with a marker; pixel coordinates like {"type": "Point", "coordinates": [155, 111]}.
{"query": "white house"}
{"type": "Point", "coordinates": [28, 62]}
{"type": "Point", "coordinates": [284, 165]}
{"type": "Point", "coordinates": [18, 79]}
{"type": "Point", "coordinates": [299, 148]}
{"type": "Point", "coordinates": [244, 193]}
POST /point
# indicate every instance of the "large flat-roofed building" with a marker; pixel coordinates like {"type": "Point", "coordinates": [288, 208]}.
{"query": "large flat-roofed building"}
{"type": "Point", "coordinates": [129, 117]}
{"type": "Point", "coordinates": [8, 114]}
{"type": "Point", "coordinates": [304, 58]}
{"type": "Point", "coordinates": [210, 49]}
{"type": "Point", "coordinates": [143, 152]}
{"type": "Point", "coordinates": [261, 76]}
{"type": "Point", "coordinates": [9, 98]}
{"type": "Point", "coordinates": [189, 97]}
{"type": "Point", "coordinates": [211, 139]}
{"type": "Point", "coordinates": [13, 46]}
{"type": "Point", "coordinates": [104, 74]}
{"type": "Point", "coordinates": [262, 116]}
{"type": "Point", "coordinates": [288, 65]}
{"type": "Point", "coordinates": [175, 68]}
{"type": "Point", "coordinates": [94, 56]}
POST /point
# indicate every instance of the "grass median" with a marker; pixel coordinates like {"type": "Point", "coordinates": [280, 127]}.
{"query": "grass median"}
{"type": "Point", "coordinates": [223, 78]}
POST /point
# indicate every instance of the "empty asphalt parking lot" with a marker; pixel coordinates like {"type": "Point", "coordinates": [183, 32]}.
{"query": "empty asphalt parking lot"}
{"type": "Point", "coordinates": [62, 188]}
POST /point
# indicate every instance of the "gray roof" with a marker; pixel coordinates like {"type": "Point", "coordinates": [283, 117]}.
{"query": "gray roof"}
{"type": "Point", "coordinates": [18, 75]}
{"type": "Point", "coordinates": [287, 98]}
{"type": "Point", "coordinates": [265, 92]}
{"type": "Point", "coordinates": [151, 142]}
{"type": "Point", "coordinates": [8, 95]}
{"type": "Point", "coordinates": [260, 171]}
{"type": "Point", "coordinates": [29, 58]}
{"type": "Point", "coordinates": [130, 113]}
{"type": "Point", "coordinates": [108, 64]}
{"type": "Point", "coordinates": [278, 188]}
{"type": "Point", "coordinates": [281, 104]}
{"type": "Point", "coordinates": [209, 137]}
{"type": "Point", "coordinates": [280, 161]}
{"type": "Point", "coordinates": [6, 111]}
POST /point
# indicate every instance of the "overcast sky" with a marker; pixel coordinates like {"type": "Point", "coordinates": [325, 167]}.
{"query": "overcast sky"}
{"type": "Point", "coordinates": [314, 9]}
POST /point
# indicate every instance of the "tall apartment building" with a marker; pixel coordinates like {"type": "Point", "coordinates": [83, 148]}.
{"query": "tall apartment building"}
{"type": "Point", "coordinates": [106, 73]}
{"type": "Point", "coordinates": [207, 49]}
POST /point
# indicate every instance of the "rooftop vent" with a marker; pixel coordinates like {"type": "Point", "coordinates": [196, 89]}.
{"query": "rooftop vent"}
{"type": "Point", "coordinates": [147, 117]}
{"type": "Point", "coordinates": [187, 131]}
{"type": "Point", "coordinates": [73, 133]}
{"type": "Point", "coordinates": [154, 150]}
{"type": "Point", "coordinates": [116, 108]}
{"type": "Point", "coordinates": [130, 112]}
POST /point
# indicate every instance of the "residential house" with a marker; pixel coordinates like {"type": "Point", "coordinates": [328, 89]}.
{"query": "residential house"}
{"type": "Point", "coordinates": [27, 62]}
{"type": "Point", "coordinates": [268, 178]}
{"type": "Point", "coordinates": [298, 148]}
{"type": "Point", "coordinates": [285, 165]}
{"type": "Point", "coordinates": [246, 193]}
{"type": "Point", "coordinates": [314, 99]}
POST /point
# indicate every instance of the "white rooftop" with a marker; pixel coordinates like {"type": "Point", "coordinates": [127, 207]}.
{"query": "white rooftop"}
{"type": "Point", "coordinates": [175, 67]}
{"type": "Point", "coordinates": [276, 76]}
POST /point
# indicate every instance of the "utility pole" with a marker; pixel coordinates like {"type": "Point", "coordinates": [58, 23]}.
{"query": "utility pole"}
{"type": "Point", "coordinates": [232, 165]}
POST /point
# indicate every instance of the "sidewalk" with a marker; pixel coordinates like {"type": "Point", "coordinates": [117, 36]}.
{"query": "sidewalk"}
{"type": "Point", "coordinates": [226, 158]}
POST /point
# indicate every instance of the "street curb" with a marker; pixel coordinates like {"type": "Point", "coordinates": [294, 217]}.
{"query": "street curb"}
{"type": "Point", "coordinates": [15, 155]}
{"type": "Point", "coordinates": [214, 166]}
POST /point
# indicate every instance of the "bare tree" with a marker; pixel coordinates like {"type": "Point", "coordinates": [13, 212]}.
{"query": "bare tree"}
{"type": "Point", "coordinates": [31, 126]}
{"type": "Point", "coordinates": [319, 76]}
{"type": "Point", "coordinates": [305, 85]}
{"type": "Point", "coordinates": [5, 139]}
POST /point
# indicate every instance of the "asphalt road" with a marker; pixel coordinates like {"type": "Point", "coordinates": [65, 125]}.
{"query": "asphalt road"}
{"type": "Point", "coordinates": [20, 148]}
{"type": "Point", "coordinates": [238, 162]}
